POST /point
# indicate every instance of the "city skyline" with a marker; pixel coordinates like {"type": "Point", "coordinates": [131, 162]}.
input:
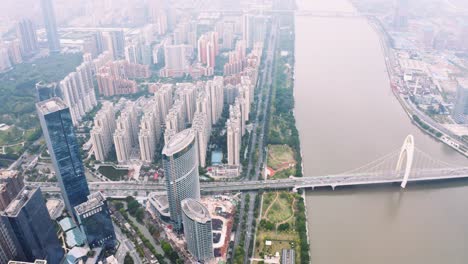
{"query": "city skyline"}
{"type": "Point", "coordinates": [172, 131]}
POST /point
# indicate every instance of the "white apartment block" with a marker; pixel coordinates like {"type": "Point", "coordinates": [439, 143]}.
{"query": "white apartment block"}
{"type": "Point", "coordinates": [202, 128]}
{"type": "Point", "coordinates": [126, 135]}
{"type": "Point", "coordinates": [186, 92]}
{"type": "Point", "coordinates": [233, 141]}
{"type": "Point", "coordinates": [204, 105]}
{"type": "Point", "coordinates": [215, 89]}
{"type": "Point", "coordinates": [176, 117]}
{"type": "Point", "coordinates": [104, 128]}
{"type": "Point", "coordinates": [164, 96]}
{"type": "Point", "coordinates": [149, 131]}
{"type": "Point", "coordinates": [78, 91]}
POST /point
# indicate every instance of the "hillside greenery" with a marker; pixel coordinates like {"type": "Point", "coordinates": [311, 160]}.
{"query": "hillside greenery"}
{"type": "Point", "coordinates": [17, 87]}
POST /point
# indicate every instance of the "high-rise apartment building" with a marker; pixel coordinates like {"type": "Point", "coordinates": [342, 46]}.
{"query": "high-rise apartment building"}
{"type": "Point", "coordinates": [202, 127]}
{"type": "Point", "coordinates": [126, 132]}
{"type": "Point", "coordinates": [208, 49]}
{"type": "Point", "coordinates": [215, 88]}
{"type": "Point", "coordinates": [93, 44]}
{"type": "Point", "coordinates": [175, 119]}
{"type": "Point", "coordinates": [114, 41]}
{"type": "Point", "coordinates": [204, 105]}
{"type": "Point", "coordinates": [228, 35]}
{"type": "Point", "coordinates": [95, 222]}
{"type": "Point", "coordinates": [113, 77]}
{"type": "Point", "coordinates": [30, 223]}
{"type": "Point", "coordinates": [57, 127]}
{"type": "Point", "coordinates": [26, 32]}
{"type": "Point", "coordinates": [198, 230]}
{"type": "Point", "coordinates": [180, 163]}
{"type": "Point", "coordinates": [50, 25]}
{"type": "Point", "coordinates": [150, 131]}
{"type": "Point", "coordinates": [460, 110]}
{"type": "Point", "coordinates": [234, 137]}
{"type": "Point", "coordinates": [164, 96]}
{"type": "Point", "coordinates": [186, 92]}
{"type": "Point", "coordinates": [138, 52]}
{"type": "Point", "coordinates": [176, 63]}
{"type": "Point", "coordinates": [103, 130]}
{"type": "Point", "coordinates": [77, 90]}
{"type": "Point", "coordinates": [110, 85]}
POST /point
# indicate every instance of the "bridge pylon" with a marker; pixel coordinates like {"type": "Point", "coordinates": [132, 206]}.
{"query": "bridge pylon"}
{"type": "Point", "coordinates": [407, 151]}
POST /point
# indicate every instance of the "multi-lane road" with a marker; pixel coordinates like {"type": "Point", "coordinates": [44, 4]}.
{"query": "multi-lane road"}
{"type": "Point", "coordinates": [267, 82]}
{"type": "Point", "coordinates": [115, 189]}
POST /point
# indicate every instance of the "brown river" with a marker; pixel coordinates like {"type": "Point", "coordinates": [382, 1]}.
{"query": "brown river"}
{"type": "Point", "coordinates": [347, 116]}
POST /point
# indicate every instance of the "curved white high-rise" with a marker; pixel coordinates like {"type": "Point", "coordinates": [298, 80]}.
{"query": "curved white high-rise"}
{"type": "Point", "coordinates": [180, 163]}
{"type": "Point", "coordinates": [198, 230]}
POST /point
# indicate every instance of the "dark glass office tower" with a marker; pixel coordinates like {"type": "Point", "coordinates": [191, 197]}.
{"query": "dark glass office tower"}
{"type": "Point", "coordinates": [8, 243]}
{"type": "Point", "coordinates": [57, 128]}
{"type": "Point", "coordinates": [95, 221]}
{"type": "Point", "coordinates": [50, 25]}
{"type": "Point", "coordinates": [46, 91]}
{"type": "Point", "coordinates": [31, 225]}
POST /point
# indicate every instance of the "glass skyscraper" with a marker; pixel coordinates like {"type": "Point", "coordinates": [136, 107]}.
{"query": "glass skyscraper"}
{"type": "Point", "coordinates": [50, 25]}
{"type": "Point", "coordinates": [31, 226]}
{"type": "Point", "coordinates": [180, 163]}
{"type": "Point", "coordinates": [198, 230]}
{"type": "Point", "coordinates": [57, 128]}
{"type": "Point", "coordinates": [95, 221]}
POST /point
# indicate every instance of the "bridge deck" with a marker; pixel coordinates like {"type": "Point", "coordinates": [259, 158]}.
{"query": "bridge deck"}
{"type": "Point", "coordinates": [292, 183]}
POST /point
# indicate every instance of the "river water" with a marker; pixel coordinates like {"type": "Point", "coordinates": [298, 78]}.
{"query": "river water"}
{"type": "Point", "coordinates": [347, 116]}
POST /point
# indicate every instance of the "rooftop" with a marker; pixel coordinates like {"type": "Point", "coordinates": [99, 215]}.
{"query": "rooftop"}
{"type": "Point", "coordinates": [23, 197]}
{"type": "Point", "coordinates": [75, 237]}
{"type": "Point", "coordinates": [195, 210]}
{"type": "Point", "coordinates": [51, 105]}
{"type": "Point", "coordinates": [37, 261]}
{"type": "Point", "coordinates": [178, 142]}
{"type": "Point", "coordinates": [95, 200]}
{"type": "Point", "coordinates": [159, 198]}
{"type": "Point", "coordinates": [67, 224]}
{"type": "Point", "coordinates": [4, 174]}
{"type": "Point", "coordinates": [76, 253]}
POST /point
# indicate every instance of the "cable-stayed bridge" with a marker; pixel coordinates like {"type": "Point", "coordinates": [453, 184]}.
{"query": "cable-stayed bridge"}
{"type": "Point", "coordinates": [407, 164]}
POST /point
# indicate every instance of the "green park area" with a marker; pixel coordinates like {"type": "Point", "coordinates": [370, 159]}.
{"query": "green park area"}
{"type": "Point", "coordinates": [113, 173]}
{"type": "Point", "coordinates": [281, 161]}
{"type": "Point", "coordinates": [20, 125]}
{"type": "Point", "coordinates": [17, 89]}
{"type": "Point", "coordinates": [281, 224]}
{"type": "Point", "coordinates": [13, 141]}
{"type": "Point", "coordinates": [282, 124]}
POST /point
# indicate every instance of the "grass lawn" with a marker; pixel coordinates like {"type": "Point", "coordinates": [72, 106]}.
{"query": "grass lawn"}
{"type": "Point", "coordinates": [11, 136]}
{"type": "Point", "coordinates": [280, 156]}
{"type": "Point", "coordinates": [14, 149]}
{"type": "Point", "coordinates": [113, 173]}
{"type": "Point", "coordinates": [278, 207]}
{"type": "Point", "coordinates": [280, 240]}
{"type": "Point", "coordinates": [280, 210]}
